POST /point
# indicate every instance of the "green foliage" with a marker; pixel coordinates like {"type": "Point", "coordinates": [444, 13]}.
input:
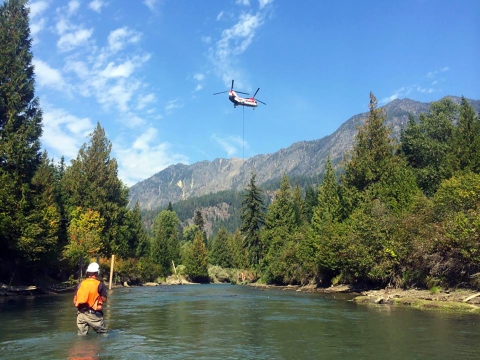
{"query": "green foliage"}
{"type": "Point", "coordinates": [20, 131]}
{"type": "Point", "coordinates": [92, 182]}
{"type": "Point", "coordinates": [253, 218]}
{"type": "Point", "coordinates": [466, 140]}
{"type": "Point", "coordinates": [195, 259]}
{"type": "Point", "coordinates": [42, 225]}
{"type": "Point", "coordinates": [427, 145]}
{"type": "Point", "coordinates": [84, 232]}
{"type": "Point", "coordinates": [460, 193]}
{"type": "Point", "coordinates": [221, 253]}
{"type": "Point", "coordinates": [137, 270]}
{"type": "Point", "coordinates": [165, 245]}
{"type": "Point", "coordinates": [238, 252]}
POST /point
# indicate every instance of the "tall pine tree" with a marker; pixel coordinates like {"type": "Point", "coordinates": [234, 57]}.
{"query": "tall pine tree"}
{"type": "Point", "coordinates": [20, 130]}
{"type": "Point", "coordinates": [253, 218]}
{"type": "Point", "coordinates": [92, 182]}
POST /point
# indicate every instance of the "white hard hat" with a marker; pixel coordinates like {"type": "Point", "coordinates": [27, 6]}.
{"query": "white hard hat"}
{"type": "Point", "coordinates": [93, 268]}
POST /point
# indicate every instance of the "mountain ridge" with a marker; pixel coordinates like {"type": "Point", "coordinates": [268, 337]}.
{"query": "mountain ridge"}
{"type": "Point", "coordinates": [179, 181]}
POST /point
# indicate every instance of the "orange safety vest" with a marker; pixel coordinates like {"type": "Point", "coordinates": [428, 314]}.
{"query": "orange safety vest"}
{"type": "Point", "coordinates": [87, 293]}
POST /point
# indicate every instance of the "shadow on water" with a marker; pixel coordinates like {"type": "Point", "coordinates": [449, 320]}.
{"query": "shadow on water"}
{"type": "Point", "coordinates": [232, 322]}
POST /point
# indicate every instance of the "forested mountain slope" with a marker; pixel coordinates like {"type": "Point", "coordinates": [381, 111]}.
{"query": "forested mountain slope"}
{"type": "Point", "coordinates": [304, 158]}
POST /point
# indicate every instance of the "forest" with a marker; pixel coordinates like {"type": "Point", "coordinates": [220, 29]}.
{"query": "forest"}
{"type": "Point", "coordinates": [394, 213]}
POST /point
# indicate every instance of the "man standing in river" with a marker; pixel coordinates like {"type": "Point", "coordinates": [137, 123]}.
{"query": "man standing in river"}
{"type": "Point", "coordinates": [89, 299]}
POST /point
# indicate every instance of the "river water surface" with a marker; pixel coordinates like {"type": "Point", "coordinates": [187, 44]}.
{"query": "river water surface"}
{"type": "Point", "coordinates": [233, 322]}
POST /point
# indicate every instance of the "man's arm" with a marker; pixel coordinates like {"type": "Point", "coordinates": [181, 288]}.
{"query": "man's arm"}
{"type": "Point", "coordinates": [102, 290]}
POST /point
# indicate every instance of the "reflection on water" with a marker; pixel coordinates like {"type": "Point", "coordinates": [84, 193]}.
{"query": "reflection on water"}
{"type": "Point", "coordinates": [232, 322]}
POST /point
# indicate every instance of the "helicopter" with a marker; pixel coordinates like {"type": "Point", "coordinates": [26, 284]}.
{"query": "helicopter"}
{"type": "Point", "coordinates": [237, 100]}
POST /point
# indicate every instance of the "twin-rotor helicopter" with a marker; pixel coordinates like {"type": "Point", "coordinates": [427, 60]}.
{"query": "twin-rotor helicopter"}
{"type": "Point", "coordinates": [239, 101]}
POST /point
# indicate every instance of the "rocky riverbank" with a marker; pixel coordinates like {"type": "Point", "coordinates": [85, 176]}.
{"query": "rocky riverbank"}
{"type": "Point", "coordinates": [458, 300]}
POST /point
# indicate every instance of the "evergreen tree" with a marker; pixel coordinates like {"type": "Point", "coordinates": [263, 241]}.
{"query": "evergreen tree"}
{"type": "Point", "coordinates": [373, 148]}
{"type": "Point", "coordinates": [253, 218]}
{"type": "Point", "coordinates": [239, 255]}
{"type": "Point", "coordinates": [466, 139]}
{"type": "Point", "coordinates": [92, 182]}
{"type": "Point", "coordinates": [198, 220]}
{"type": "Point", "coordinates": [328, 207]}
{"type": "Point", "coordinates": [280, 225]}
{"type": "Point", "coordinates": [311, 198]}
{"type": "Point", "coordinates": [427, 145]}
{"type": "Point", "coordinates": [221, 254]}
{"type": "Point", "coordinates": [165, 246]}
{"type": "Point", "coordinates": [20, 130]}
{"type": "Point", "coordinates": [43, 224]}
{"type": "Point", "coordinates": [375, 171]}
{"type": "Point", "coordinates": [139, 240]}
{"type": "Point", "coordinates": [299, 206]}
{"type": "Point", "coordinates": [196, 259]}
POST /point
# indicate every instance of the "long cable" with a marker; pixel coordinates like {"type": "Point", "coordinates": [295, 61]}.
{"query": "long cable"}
{"type": "Point", "coordinates": [243, 134]}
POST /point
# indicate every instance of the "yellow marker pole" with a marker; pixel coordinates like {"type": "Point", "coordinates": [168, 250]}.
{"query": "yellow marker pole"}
{"type": "Point", "coordinates": [111, 272]}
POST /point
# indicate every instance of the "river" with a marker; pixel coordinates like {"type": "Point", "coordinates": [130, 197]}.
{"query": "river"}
{"type": "Point", "coordinates": [233, 322]}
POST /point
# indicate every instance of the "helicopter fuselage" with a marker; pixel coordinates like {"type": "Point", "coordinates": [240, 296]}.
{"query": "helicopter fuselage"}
{"type": "Point", "coordinates": [237, 100]}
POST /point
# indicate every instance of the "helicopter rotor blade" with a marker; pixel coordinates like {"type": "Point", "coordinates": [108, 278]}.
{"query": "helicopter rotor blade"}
{"type": "Point", "coordinates": [260, 101]}
{"type": "Point", "coordinates": [221, 92]}
{"type": "Point", "coordinates": [256, 92]}
{"type": "Point", "coordinates": [239, 92]}
{"type": "Point", "coordinates": [232, 85]}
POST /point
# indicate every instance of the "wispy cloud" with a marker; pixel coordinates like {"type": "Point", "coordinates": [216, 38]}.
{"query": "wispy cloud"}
{"type": "Point", "coordinates": [37, 22]}
{"type": "Point", "coordinates": [64, 132]}
{"type": "Point", "coordinates": [235, 40]}
{"type": "Point", "coordinates": [151, 4]}
{"type": "Point", "coordinates": [96, 5]}
{"type": "Point", "coordinates": [47, 76]}
{"type": "Point", "coordinates": [173, 105]}
{"type": "Point", "coordinates": [230, 144]}
{"type": "Point", "coordinates": [199, 78]}
{"type": "Point", "coordinates": [74, 39]}
{"type": "Point", "coordinates": [120, 38]}
{"type": "Point", "coordinates": [433, 80]}
{"type": "Point", "coordinates": [144, 157]}
{"type": "Point", "coordinates": [434, 73]}
{"type": "Point", "coordinates": [264, 3]}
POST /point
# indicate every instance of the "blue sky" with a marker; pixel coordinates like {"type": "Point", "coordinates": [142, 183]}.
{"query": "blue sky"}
{"type": "Point", "coordinates": [146, 70]}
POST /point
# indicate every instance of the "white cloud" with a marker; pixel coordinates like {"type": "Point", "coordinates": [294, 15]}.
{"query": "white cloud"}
{"type": "Point", "coordinates": [122, 70]}
{"type": "Point", "coordinates": [37, 8]}
{"type": "Point", "coordinates": [199, 77]}
{"type": "Point", "coordinates": [243, 2]}
{"type": "Point", "coordinates": [144, 157]}
{"type": "Point", "coordinates": [119, 38]}
{"type": "Point", "coordinates": [96, 5]}
{"type": "Point", "coordinates": [229, 144]}
{"type": "Point", "coordinates": [65, 133]}
{"type": "Point", "coordinates": [151, 4]}
{"type": "Point", "coordinates": [37, 26]}
{"type": "Point", "coordinates": [220, 15]}
{"type": "Point", "coordinates": [118, 94]}
{"type": "Point", "coordinates": [80, 68]}
{"type": "Point", "coordinates": [433, 74]}
{"type": "Point", "coordinates": [264, 3]}
{"type": "Point", "coordinates": [425, 90]}
{"type": "Point", "coordinates": [47, 76]}
{"type": "Point", "coordinates": [172, 105]}
{"type": "Point", "coordinates": [234, 42]}
{"type": "Point", "coordinates": [72, 40]}
{"type": "Point", "coordinates": [144, 100]}
{"type": "Point", "coordinates": [73, 6]}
